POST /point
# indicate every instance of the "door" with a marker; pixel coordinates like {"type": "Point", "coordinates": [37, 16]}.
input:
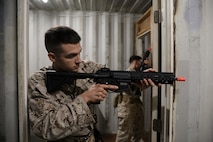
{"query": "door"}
{"type": "Point", "coordinates": [156, 32]}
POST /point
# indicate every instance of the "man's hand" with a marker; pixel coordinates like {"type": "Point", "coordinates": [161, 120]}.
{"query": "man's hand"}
{"type": "Point", "coordinates": [97, 92]}
{"type": "Point", "coordinates": [145, 83]}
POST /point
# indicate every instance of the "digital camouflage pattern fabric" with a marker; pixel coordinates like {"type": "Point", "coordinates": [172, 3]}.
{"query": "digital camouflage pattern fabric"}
{"type": "Point", "coordinates": [130, 115]}
{"type": "Point", "coordinates": [61, 115]}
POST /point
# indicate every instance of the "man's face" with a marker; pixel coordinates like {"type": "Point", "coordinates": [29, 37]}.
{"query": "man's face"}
{"type": "Point", "coordinates": [137, 64]}
{"type": "Point", "coordinates": [69, 59]}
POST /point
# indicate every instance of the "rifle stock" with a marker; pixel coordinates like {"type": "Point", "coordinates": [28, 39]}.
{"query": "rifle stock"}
{"type": "Point", "coordinates": [54, 80]}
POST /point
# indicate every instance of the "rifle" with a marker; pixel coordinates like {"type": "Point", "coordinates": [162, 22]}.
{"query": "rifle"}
{"type": "Point", "coordinates": [146, 55]}
{"type": "Point", "coordinates": [54, 80]}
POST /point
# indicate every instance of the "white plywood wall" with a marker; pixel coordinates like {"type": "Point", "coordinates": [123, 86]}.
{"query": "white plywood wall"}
{"type": "Point", "coordinates": [194, 48]}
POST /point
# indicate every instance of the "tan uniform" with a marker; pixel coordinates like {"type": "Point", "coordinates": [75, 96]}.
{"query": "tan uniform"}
{"type": "Point", "coordinates": [62, 115]}
{"type": "Point", "coordinates": [130, 116]}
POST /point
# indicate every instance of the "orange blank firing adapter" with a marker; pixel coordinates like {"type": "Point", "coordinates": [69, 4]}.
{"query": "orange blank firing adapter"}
{"type": "Point", "coordinates": [181, 79]}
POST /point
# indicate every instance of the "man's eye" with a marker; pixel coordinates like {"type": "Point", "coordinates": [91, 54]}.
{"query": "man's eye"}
{"type": "Point", "coordinates": [71, 55]}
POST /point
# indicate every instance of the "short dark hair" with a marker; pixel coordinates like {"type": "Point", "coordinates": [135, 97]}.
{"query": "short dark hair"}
{"type": "Point", "coordinates": [56, 36]}
{"type": "Point", "coordinates": [133, 58]}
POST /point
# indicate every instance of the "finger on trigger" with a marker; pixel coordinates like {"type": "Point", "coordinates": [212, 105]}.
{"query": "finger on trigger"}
{"type": "Point", "coordinates": [111, 87]}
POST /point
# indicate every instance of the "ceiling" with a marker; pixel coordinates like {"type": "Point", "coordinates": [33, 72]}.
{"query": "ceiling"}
{"type": "Point", "coordinates": [122, 6]}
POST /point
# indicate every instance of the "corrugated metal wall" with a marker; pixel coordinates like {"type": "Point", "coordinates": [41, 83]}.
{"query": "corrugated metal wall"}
{"type": "Point", "coordinates": [107, 38]}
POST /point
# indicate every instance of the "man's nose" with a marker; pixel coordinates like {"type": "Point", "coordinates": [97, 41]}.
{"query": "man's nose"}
{"type": "Point", "coordinates": [78, 59]}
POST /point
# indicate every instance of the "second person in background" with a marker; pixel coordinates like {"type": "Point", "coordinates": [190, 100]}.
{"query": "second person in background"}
{"type": "Point", "coordinates": [130, 109]}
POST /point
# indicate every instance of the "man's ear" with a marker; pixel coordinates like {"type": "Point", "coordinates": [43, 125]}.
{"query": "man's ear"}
{"type": "Point", "coordinates": [51, 56]}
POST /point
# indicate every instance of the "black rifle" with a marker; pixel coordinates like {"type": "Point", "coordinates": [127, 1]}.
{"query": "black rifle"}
{"type": "Point", "coordinates": [54, 80]}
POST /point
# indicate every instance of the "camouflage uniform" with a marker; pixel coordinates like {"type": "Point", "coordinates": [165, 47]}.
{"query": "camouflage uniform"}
{"type": "Point", "coordinates": [62, 115]}
{"type": "Point", "coordinates": [130, 116]}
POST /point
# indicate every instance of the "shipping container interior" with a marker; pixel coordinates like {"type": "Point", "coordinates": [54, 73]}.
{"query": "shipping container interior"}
{"type": "Point", "coordinates": [108, 32]}
{"type": "Point", "coordinates": [179, 34]}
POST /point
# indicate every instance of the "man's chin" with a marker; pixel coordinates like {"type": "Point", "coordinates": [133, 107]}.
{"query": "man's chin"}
{"type": "Point", "coordinates": [75, 70]}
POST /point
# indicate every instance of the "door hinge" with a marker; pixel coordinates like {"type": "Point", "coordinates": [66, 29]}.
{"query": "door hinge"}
{"type": "Point", "coordinates": [157, 16]}
{"type": "Point", "coordinates": [157, 125]}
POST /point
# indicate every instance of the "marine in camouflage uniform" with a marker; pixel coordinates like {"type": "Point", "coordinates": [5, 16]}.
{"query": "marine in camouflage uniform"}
{"type": "Point", "coordinates": [130, 115]}
{"type": "Point", "coordinates": [62, 115]}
